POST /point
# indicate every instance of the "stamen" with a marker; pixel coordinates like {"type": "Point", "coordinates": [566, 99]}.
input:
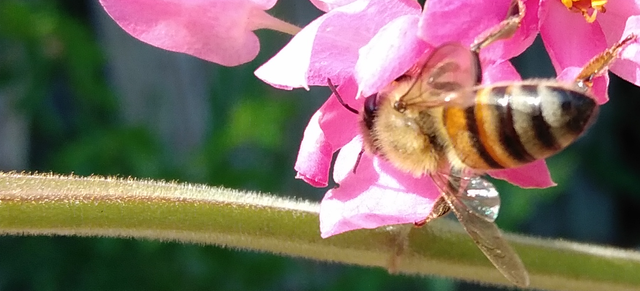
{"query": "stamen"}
{"type": "Point", "coordinates": [588, 8]}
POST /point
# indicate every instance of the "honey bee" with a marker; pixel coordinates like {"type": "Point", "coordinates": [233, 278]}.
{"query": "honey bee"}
{"type": "Point", "coordinates": [437, 120]}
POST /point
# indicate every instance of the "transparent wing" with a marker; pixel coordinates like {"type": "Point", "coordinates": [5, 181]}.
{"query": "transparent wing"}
{"type": "Point", "coordinates": [480, 197]}
{"type": "Point", "coordinates": [475, 203]}
{"type": "Point", "coordinates": [445, 77]}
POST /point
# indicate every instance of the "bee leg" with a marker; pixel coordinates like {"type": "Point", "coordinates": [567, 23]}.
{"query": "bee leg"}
{"type": "Point", "coordinates": [504, 29]}
{"type": "Point", "coordinates": [440, 208]}
{"type": "Point", "coordinates": [355, 167]}
{"type": "Point", "coordinates": [599, 64]}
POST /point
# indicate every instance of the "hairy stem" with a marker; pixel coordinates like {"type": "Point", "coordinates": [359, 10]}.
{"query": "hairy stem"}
{"type": "Point", "coordinates": [114, 207]}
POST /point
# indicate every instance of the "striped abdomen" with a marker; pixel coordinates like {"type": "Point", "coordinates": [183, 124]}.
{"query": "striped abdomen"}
{"type": "Point", "coordinates": [516, 124]}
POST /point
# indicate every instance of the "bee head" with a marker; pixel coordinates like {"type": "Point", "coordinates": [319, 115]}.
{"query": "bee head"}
{"type": "Point", "coordinates": [368, 121]}
{"type": "Point", "coordinates": [370, 109]}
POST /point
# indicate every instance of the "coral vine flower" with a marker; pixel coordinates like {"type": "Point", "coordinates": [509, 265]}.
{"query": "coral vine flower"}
{"type": "Point", "coordinates": [572, 39]}
{"type": "Point", "coordinates": [363, 46]}
{"type": "Point", "coordinates": [219, 31]}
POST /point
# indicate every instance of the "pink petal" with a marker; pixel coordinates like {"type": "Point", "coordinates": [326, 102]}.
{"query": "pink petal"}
{"type": "Point", "coordinates": [628, 66]}
{"type": "Point", "coordinates": [328, 5]}
{"type": "Point", "coordinates": [262, 4]}
{"type": "Point", "coordinates": [600, 83]}
{"type": "Point", "coordinates": [331, 127]}
{"type": "Point", "coordinates": [533, 175]}
{"type": "Point", "coordinates": [314, 157]}
{"type": "Point", "coordinates": [613, 20]}
{"type": "Point", "coordinates": [328, 46]}
{"type": "Point", "coordinates": [464, 21]}
{"type": "Point", "coordinates": [390, 53]}
{"type": "Point", "coordinates": [628, 70]}
{"type": "Point", "coordinates": [632, 50]}
{"type": "Point", "coordinates": [216, 31]}
{"type": "Point", "coordinates": [378, 195]}
{"type": "Point", "coordinates": [347, 160]}
{"type": "Point", "coordinates": [496, 72]}
{"type": "Point", "coordinates": [568, 38]}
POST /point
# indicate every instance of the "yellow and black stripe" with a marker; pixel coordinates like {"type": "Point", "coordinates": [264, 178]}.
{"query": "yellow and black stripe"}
{"type": "Point", "coordinates": [512, 125]}
{"type": "Point", "coordinates": [508, 135]}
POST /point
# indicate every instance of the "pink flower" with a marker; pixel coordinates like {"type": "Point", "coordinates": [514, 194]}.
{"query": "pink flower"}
{"type": "Point", "coordinates": [363, 46]}
{"type": "Point", "coordinates": [219, 31]}
{"type": "Point", "coordinates": [573, 32]}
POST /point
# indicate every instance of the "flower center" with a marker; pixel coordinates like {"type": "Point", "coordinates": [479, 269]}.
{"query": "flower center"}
{"type": "Point", "coordinates": [588, 8]}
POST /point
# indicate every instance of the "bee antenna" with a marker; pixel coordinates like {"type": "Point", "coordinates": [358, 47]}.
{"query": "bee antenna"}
{"type": "Point", "coordinates": [335, 92]}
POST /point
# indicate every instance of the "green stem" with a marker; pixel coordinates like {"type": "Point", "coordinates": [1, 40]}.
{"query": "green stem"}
{"type": "Point", "coordinates": [113, 207]}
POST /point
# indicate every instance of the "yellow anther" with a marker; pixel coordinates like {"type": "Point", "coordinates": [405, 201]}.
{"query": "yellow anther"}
{"type": "Point", "coordinates": [588, 8]}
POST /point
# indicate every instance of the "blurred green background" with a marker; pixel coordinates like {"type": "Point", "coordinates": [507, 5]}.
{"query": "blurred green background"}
{"type": "Point", "coordinates": [78, 95]}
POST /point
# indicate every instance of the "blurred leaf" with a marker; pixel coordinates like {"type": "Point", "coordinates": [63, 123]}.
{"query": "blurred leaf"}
{"type": "Point", "coordinates": [259, 122]}
{"type": "Point", "coordinates": [128, 152]}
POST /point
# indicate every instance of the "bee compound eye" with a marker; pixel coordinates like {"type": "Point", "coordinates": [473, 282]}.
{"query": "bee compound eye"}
{"type": "Point", "coordinates": [370, 108]}
{"type": "Point", "coordinates": [371, 105]}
